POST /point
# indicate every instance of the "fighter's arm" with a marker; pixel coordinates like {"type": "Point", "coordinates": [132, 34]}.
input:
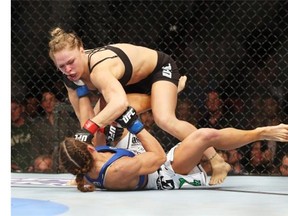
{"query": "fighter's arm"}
{"type": "Point", "coordinates": [116, 98]}
{"type": "Point", "coordinates": [154, 156]}
{"type": "Point", "coordinates": [113, 94]}
{"type": "Point", "coordinates": [81, 106]}
{"type": "Point", "coordinates": [146, 162]}
{"type": "Point", "coordinates": [140, 102]}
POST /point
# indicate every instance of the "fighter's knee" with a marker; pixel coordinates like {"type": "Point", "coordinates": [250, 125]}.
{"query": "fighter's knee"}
{"type": "Point", "coordinates": [163, 121]}
{"type": "Point", "coordinates": [207, 135]}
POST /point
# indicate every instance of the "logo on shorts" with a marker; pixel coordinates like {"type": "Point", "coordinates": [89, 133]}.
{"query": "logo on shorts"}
{"type": "Point", "coordinates": [135, 140]}
{"type": "Point", "coordinates": [167, 71]}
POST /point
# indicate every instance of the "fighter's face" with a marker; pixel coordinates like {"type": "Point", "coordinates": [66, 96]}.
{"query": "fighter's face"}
{"type": "Point", "coordinates": [70, 63]}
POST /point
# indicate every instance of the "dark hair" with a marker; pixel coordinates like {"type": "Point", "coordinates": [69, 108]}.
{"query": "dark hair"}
{"type": "Point", "coordinates": [61, 39]}
{"type": "Point", "coordinates": [77, 160]}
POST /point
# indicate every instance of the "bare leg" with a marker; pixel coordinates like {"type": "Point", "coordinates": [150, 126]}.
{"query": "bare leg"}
{"type": "Point", "coordinates": [188, 154]}
{"type": "Point", "coordinates": [165, 118]}
{"type": "Point", "coordinates": [237, 138]}
{"type": "Point", "coordinates": [142, 102]}
{"type": "Point", "coordinates": [231, 138]}
{"type": "Point", "coordinates": [220, 168]}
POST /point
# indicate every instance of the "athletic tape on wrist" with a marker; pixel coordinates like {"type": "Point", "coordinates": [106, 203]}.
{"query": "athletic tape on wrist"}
{"type": "Point", "coordinates": [82, 91]}
{"type": "Point", "coordinates": [102, 130]}
{"type": "Point", "coordinates": [136, 127]}
{"type": "Point", "coordinates": [91, 126]}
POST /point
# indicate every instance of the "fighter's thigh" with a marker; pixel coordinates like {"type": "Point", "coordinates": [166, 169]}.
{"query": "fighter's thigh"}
{"type": "Point", "coordinates": [189, 153]}
{"type": "Point", "coordinates": [163, 98]}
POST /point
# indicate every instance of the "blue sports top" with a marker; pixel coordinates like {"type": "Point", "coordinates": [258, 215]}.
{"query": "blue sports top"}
{"type": "Point", "coordinates": [118, 153]}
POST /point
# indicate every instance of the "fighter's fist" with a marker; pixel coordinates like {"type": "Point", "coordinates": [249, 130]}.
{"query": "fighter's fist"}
{"type": "Point", "coordinates": [84, 136]}
{"type": "Point", "coordinates": [113, 133]}
{"type": "Point", "coordinates": [129, 119]}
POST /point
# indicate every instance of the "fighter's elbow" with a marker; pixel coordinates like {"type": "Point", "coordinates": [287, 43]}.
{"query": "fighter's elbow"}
{"type": "Point", "coordinates": [164, 158]}
{"type": "Point", "coordinates": [122, 105]}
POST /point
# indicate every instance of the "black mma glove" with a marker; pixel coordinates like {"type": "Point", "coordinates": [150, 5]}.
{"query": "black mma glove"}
{"type": "Point", "coordinates": [112, 133]}
{"type": "Point", "coordinates": [129, 119]}
{"type": "Point", "coordinates": [86, 134]}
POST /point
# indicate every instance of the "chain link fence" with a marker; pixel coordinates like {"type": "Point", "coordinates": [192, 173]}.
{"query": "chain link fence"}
{"type": "Point", "coordinates": [236, 50]}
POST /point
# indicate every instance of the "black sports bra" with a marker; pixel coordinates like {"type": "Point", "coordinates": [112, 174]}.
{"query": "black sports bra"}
{"type": "Point", "coordinates": [119, 53]}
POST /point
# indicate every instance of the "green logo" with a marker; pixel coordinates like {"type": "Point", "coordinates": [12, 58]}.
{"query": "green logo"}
{"type": "Point", "coordinates": [194, 182]}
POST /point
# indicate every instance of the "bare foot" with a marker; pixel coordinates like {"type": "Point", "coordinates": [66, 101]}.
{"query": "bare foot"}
{"type": "Point", "coordinates": [71, 182]}
{"type": "Point", "coordinates": [181, 83]}
{"type": "Point", "coordinates": [220, 170]}
{"type": "Point", "coordinates": [275, 133]}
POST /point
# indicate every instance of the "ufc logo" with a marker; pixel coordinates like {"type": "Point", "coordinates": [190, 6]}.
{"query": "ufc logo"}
{"type": "Point", "coordinates": [166, 71]}
{"type": "Point", "coordinates": [81, 137]}
{"type": "Point", "coordinates": [128, 115]}
{"type": "Point", "coordinates": [111, 133]}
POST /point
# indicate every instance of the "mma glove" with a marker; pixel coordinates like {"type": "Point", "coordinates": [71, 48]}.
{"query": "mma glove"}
{"type": "Point", "coordinates": [129, 119]}
{"type": "Point", "coordinates": [112, 133]}
{"type": "Point", "coordinates": [86, 134]}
